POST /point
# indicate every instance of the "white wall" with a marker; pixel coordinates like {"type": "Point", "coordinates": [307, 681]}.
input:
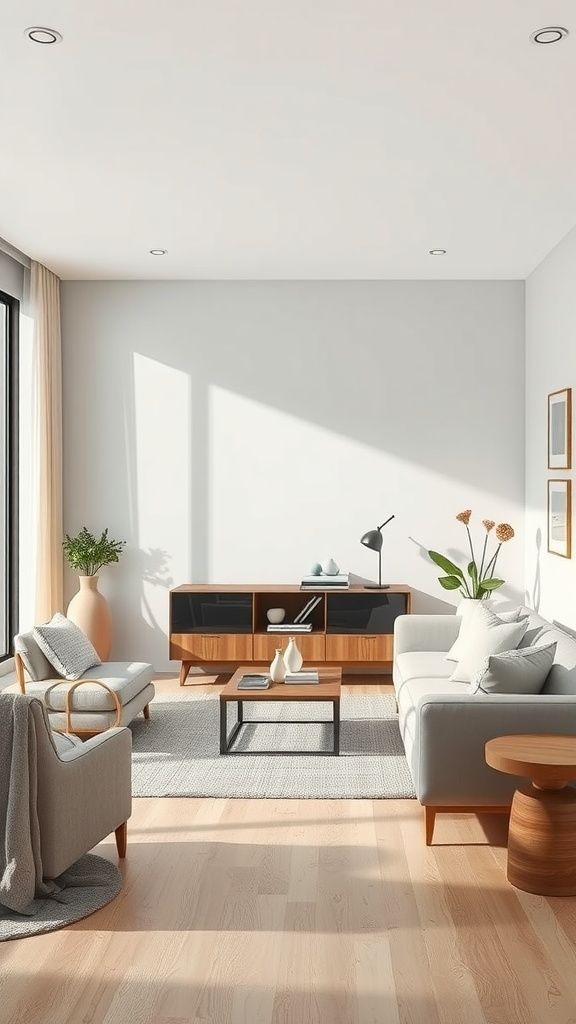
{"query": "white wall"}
{"type": "Point", "coordinates": [237, 432]}
{"type": "Point", "coordinates": [550, 366]}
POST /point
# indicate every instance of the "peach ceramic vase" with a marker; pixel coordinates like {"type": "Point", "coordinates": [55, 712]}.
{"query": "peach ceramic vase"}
{"type": "Point", "coordinates": [90, 611]}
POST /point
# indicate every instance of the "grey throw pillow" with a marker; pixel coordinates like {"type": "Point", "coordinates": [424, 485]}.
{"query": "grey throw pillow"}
{"type": "Point", "coordinates": [521, 671]}
{"type": "Point", "coordinates": [67, 648]}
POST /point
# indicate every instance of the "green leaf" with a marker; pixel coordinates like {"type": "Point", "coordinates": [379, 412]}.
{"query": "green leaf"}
{"type": "Point", "coordinates": [492, 584]}
{"type": "Point", "coordinates": [449, 582]}
{"type": "Point", "coordinates": [473, 574]}
{"type": "Point", "coordinates": [446, 564]}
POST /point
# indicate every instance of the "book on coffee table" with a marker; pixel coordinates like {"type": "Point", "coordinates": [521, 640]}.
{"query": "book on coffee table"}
{"type": "Point", "coordinates": [305, 676]}
{"type": "Point", "coordinates": [253, 681]}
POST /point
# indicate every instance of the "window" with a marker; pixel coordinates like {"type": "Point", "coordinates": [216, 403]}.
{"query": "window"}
{"type": "Point", "coordinates": [9, 313]}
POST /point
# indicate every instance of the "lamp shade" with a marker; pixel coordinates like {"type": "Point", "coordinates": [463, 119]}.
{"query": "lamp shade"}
{"type": "Point", "coordinates": [373, 540]}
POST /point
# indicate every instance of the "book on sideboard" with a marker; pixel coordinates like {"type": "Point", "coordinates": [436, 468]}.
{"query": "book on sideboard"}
{"type": "Point", "coordinates": [290, 627]}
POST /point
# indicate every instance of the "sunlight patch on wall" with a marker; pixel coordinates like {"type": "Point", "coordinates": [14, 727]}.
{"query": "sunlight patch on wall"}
{"type": "Point", "coordinates": [163, 476]}
{"type": "Point", "coordinates": [286, 492]}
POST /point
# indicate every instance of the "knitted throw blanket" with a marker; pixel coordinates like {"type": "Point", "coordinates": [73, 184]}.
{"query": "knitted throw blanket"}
{"type": "Point", "coordinates": [20, 860]}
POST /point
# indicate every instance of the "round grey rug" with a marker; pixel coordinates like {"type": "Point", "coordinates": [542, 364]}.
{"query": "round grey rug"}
{"type": "Point", "coordinates": [176, 753]}
{"type": "Point", "coordinates": [86, 886]}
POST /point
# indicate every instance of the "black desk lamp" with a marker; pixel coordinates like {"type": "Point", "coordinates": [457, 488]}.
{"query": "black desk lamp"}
{"type": "Point", "coordinates": [373, 540]}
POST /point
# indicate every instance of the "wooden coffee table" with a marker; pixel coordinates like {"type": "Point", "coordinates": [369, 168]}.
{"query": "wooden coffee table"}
{"type": "Point", "coordinates": [542, 835]}
{"type": "Point", "coordinates": [328, 689]}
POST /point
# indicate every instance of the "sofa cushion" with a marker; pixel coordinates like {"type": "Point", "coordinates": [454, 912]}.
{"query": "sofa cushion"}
{"type": "Point", "coordinates": [486, 634]}
{"type": "Point", "coordinates": [519, 671]}
{"type": "Point", "coordinates": [422, 665]}
{"type": "Point", "coordinates": [67, 648]}
{"type": "Point", "coordinates": [125, 678]}
{"type": "Point", "coordinates": [34, 660]}
{"type": "Point", "coordinates": [459, 646]}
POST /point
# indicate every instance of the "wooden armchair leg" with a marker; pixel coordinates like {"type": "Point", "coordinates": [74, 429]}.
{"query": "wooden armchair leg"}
{"type": "Point", "coordinates": [121, 834]}
{"type": "Point", "coordinates": [147, 712]}
{"type": "Point", "coordinates": [430, 818]}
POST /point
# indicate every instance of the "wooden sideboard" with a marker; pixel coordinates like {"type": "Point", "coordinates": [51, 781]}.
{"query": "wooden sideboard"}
{"type": "Point", "coordinates": [214, 625]}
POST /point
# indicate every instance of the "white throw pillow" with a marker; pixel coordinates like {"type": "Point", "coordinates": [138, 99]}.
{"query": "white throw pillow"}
{"type": "Point", "coordinates": [521, 671]}
{"type": "Point", "coordinates": [67, 648]}
{"type": "Point", "coordinates": [486, 635]}
{"type": "Point", "coordinates": [459, 646]}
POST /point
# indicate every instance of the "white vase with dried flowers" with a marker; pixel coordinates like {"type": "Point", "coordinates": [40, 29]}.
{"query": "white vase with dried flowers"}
{"type": "Point", "coordinates": [478, 581]}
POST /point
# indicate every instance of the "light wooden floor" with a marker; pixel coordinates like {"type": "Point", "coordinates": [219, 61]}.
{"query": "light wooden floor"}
{"type": "Point", "coordinates": [302, 912]}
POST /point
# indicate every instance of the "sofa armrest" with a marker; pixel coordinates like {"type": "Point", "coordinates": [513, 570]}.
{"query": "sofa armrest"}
{"type": "Point", "coordinates": [425, 632]}
{"type": "Point", "coordinates": [451, 731]}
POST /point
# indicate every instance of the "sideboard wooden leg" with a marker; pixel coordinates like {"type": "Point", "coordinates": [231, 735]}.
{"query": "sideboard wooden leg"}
{"type": "Point", "coordinates": [184, 670]}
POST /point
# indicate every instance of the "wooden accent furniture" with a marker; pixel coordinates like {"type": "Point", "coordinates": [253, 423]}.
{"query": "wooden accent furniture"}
{"type": "Point", "coordinates": [221, 625]}
{"type": "Point", "coordinates": [542, 834]}
{"type": "Point", "coordinates": [328, 689]}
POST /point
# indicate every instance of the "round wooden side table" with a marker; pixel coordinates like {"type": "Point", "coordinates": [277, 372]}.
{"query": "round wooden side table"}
{"type": "Point", "coordinates": [542, 836]}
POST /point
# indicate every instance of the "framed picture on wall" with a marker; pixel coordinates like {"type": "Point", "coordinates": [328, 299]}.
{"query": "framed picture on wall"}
{"type": "Point", "coordinates": [560, 517]}
{"type": "Point", "coordinates": [560, 429]}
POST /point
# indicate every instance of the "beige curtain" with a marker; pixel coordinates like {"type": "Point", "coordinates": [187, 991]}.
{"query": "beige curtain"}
{"type": "Point", "coordinates": [45, 309]}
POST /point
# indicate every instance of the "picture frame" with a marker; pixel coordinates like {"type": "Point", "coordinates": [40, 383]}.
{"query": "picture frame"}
{"type": "Point", "coordinates": [560, 429]}
{"type": "Point", "coordinates": [560, 518]}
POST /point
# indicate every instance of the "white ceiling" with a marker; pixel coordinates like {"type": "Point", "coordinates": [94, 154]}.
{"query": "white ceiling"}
{"type": "Point", "coordinates": [307, 139]}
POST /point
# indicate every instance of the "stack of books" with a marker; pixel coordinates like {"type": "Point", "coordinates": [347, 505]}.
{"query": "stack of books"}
{"type": "Point", "coordinates": [304, 676]}
{"type": "Point", "coordinates": [299, 625]}
{"type": "Point", "coordinates": [323, 582]}
{"type": "Point", "coordinates": [290, 627]}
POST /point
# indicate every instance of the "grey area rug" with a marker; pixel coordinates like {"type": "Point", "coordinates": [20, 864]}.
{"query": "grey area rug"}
{"type": "Point", "coordinates": [176, 753]}
{"type": "Point", "coordinates": [86, 886]}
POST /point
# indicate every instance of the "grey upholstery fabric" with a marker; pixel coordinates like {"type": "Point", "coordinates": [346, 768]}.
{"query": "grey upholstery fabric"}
{"type": "Point", "coordinates": [93, 720]}
{"type": "Point", "coordinates": [83, 795]}
{"type": "Point", "coordinates": [126, 679]}
{"type": "Point", "coordinates": [425, 633]}
{"type": "Point", "coordinates": [522, 671]}
{"type": "Point", "coordinates": [61, 805]}
{"type": "Point", "coordinates": [445, 727]}
{"type": "Point", "coordinates": [35, 661]}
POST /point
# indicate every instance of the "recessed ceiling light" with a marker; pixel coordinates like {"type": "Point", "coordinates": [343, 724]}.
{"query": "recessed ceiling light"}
{"type": "Point", "coordinates": [437, 252]}
{"type": "Point", "coordinates": [46, 36]}
{"type": "Point", "coordinates": [552, 34]}
{"type": "Point", "coordinates": [158, 252]}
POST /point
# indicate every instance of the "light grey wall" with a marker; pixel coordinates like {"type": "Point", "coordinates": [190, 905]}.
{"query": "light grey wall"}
{"type": "Point", "coordinates": [237, 432]}
{"type": "Point", "coordinates": [11, 276]}
{"type": "Point", "coordinates": [550, 366]}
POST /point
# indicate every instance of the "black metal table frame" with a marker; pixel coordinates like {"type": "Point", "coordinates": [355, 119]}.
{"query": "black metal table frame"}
{"type": "Point", "coordinates": [227, 739]}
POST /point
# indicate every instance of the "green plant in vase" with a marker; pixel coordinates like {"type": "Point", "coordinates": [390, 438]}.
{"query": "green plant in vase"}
{"type": "Point", "coordinates": [88, 554]}
{"type": "Point", "coordinates": [88, 608]}
{"type": "Point", "coordinates": [478, 579]}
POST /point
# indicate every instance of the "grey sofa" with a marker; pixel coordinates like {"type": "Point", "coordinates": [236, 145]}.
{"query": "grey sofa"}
{"type": "Point", "coordinates": [445, 728]}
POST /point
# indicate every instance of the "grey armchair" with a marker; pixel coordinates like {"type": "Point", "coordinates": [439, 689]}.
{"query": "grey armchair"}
{"type": "Point", "coordinates": [59, 797]}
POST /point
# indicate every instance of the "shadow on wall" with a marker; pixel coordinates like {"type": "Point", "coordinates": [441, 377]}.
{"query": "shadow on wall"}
{"type": "Point", "coordinates": [532, 600]}
{"type": "Point", "coordinates": [133, 614]}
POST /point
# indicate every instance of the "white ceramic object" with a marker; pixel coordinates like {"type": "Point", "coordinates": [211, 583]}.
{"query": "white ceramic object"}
{"type": "Point", "coordinates": [315, 569]}
{"type": "Point", "coordinates": [275, 615]}
{"type": "Point", "coordinates": [277, 668]}
{"type": "Point", "coordinates": [330, 568]}
{"type": "Point", "coordinates": [467, 604]}
{"type": "Point", "coordinates": [292, 657]}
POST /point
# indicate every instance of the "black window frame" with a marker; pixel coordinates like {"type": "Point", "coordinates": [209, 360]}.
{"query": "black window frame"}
{"type": "Point", "coordinates": [11, 310]}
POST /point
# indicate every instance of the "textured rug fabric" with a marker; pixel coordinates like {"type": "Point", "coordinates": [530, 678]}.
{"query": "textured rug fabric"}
{"type": "Point", "coordinates": [88, 885]}
{"type": "Point", "coordinates": [176, 753]}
